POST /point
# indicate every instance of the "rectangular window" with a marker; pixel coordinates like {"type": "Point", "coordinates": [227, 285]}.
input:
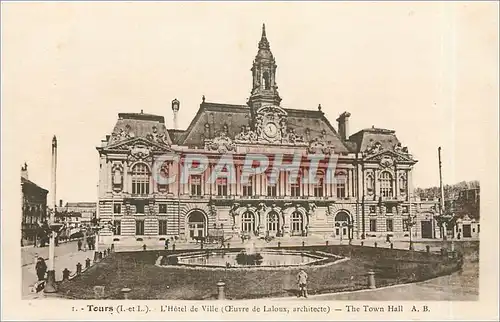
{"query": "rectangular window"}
{"type": "Point", "coordinates": [295, 189]}
{"type": "Point", "coordinates": [372, 209]}
{"type": "Point", "coordinates": [388, 209]}
{"type": "Point", "coordinates": [406, 221]}
{"type": "Point", "coordinates": [163, 208]}
{"type": "Point", "coordinates": [162, 227]}
{"type": "Point", "coordinates": [117, 208]}
{"type": "Point", "coordinates": [139, 227]}
{"type": "Point", "coordinates": [389, 225]}
{"type": "Point", "coordinates": [139, 208]}
{"type": "Point", "coordinates": [247, 187]}
{"type": "Point", "coordinates": [117, 228]}
{"type": "Point", "coordinates": [272, 191]}
{"type": "Point", "coordinates": [195, 181]}
{"type": "Point", "coordinates": [340, 189]}
{"type": "Point", "coordinates": [222, 186]}
{"type": "Point", "coordinates": [373, 225]}
{"type": "Point", "coordinates": [318, 188]}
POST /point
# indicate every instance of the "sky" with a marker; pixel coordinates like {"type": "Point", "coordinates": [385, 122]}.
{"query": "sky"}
{"type": "Point", "coordinates": [427, 70]}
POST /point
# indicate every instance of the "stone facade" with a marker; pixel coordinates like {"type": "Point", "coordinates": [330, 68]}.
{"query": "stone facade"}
{"type": "Point", "coordinates": [371, 198]}
{"type": "Point", "coordinates": [34, 209]}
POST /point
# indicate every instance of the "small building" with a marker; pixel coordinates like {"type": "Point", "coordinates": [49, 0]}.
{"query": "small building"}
{"type": "Point", "coordinates": [34, 208]}
{"type": "Point", "coordinates": [80, 213]}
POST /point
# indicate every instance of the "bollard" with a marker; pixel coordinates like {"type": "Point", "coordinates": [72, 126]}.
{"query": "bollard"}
{"type": "Point", "coordinates": [428, 249]}
{"type": "Point", "coordinates": [96, 257]}
{"type": "Point", "coordinates": [371, 280]}
{"type": "Point", "coordinates": [362, 243]}
{"type": "Point", "coordinates": [279, 244]}
{"type": "Point", "coordinates": [173, 247]}
{"type": "Point", "coordinates": [144, 247]}
{"type": "Point", "coordinates": [375, 244]}
{"type": "Point", "coordinates": [326, 243]}
{"type": "Point", "coordinates": [220, 290]}
{"type": "Point", "coordinates": [78, 269]}
{"type": "Point", "coordinates": [392, 246]}
{"type": "Point", "coordinates": [125, 292]}
{"type": "Point", "coordinates": [87, 263]}
{"type": "Point", "coordinates": [113, 247]}
{"type": "Point", "coordinates": [228, 245]}
{"type": "Point", "coordinates": [100, 255]}
{"type": "Point", "coordinates": [65, 274]}
{"type": "Point", "coordinates": [303, 244]}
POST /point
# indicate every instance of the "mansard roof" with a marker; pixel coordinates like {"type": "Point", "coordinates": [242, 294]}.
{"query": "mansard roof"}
{"type": "Point", "coordinates": [367, 138]}
{"type": "Point", "coordinates": [211, 119]}
{"type": "Point", "coordinates": [139, 125]}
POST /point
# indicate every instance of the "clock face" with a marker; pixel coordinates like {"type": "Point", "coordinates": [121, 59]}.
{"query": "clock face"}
{"type": "Point", "coordinates": [271, 130]}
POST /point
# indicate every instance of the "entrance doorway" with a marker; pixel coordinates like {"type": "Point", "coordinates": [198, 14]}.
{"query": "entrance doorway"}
{"type": "Point", "coordinates": [196, 225]}
{"type": "Point", "coordinates": [342, 226]}
{"type": "Point", "coordinates": [467, 231]}
{"type": "Point", "coordinates": [426, 228]}
{"type": "Point", "coordinates": [272, 223]}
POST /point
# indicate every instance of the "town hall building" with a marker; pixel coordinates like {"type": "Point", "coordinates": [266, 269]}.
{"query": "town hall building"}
{"type": "Point", "coordinates": [374, 199]}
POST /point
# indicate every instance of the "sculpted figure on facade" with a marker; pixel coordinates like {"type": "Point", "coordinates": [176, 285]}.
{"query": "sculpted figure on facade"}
{"type": "Point", "coordinates": [374, 148]}
{"type": "Point", "coordinates": [221, 144]}
{"type": "Point", "coordinates": [317, 146]}
{"type": "Point", "coordinates": [246, 135]}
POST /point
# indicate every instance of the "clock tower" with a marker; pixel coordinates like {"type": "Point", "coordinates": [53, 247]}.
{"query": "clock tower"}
{"type": "Point", "coordinates": [264, 88]}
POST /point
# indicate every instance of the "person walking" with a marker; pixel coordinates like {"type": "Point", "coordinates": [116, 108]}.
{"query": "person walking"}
{"type": "Point", "coordinates": [302, 281]}
{"type": "Point", "coordinates": [79, 243]}
{"type": "Point", "coordinates": [167, 241]}
{"type": "Point", "coordinates": [41, 268]}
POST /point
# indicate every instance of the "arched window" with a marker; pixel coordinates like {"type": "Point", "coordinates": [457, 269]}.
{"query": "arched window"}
{"type": "Point", "coordinates": [248, 222]}
{"type": "Point", "coordinates": [140, 179]}
{"type": "Point", "coordinates": [272, 222]}
{"type": "Point", "coordinates": [386, 184]}
{"type": "Point", "coordinates": [267, 81]}
{"type": "Point", "coordinates": [297, 223]}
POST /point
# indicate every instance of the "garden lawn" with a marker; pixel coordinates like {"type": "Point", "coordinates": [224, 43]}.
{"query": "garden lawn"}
{"type": "Point", "coordinates": [137, 271]}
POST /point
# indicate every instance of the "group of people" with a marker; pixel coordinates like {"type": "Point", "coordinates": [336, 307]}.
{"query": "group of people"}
{"type": "Point", "coordinates": [90, 244]}
{"type": "Point", "coordinates": [41, 268]}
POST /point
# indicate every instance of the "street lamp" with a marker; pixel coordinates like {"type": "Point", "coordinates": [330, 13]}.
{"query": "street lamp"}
{"type": "Point", "coordinates": [411, 223]}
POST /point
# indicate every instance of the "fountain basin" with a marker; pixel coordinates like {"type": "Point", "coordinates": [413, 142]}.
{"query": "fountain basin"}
{"type": "Point", "coordinates": [270, 258]}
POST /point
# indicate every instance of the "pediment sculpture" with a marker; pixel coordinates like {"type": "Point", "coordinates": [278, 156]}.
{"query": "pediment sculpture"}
{"type": "Point", "coordinates": [316, 146]}
{"type": "Point", "coordinates": [386, 161]}
{"type": "Point", "coordinates": [247, 135]}
{"type": "Point", "coordinates": [291, 137]}
{"type": "Point", "coordinates": [122, 134]}
{"type": "Point", "coordinates": [221, 144]}
{"type": "Point", "coordinates": [155, 136]}
{"type": "Point", "coordinates": [140, 152]}
{"type": "Point", "coordinates": [374, 148]}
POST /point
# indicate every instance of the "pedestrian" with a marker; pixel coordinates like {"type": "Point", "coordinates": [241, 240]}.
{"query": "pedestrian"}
{"type": "Point", "coordinates": [302, 281]}
{"type": "Point", "coordinates": [388, 239]}
{"type": "Point", "coordinates": [89, 243]}
{"type": "Point", "coordinates": [41, 268]}
{"type": "Point", "coordinates": [79, 244]}
{"type": "Point", "coordinates": [84, 246]}
{"type": "Point", "coordinates": [167, 241]}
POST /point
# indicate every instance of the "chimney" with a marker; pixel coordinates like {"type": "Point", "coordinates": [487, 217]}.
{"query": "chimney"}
{"type": "Point", "coordinates": [24, 171]}
{"type": "Point", "coordinates": [343, 125]}
{"type": "Point", "coordinates": [175, 108]}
